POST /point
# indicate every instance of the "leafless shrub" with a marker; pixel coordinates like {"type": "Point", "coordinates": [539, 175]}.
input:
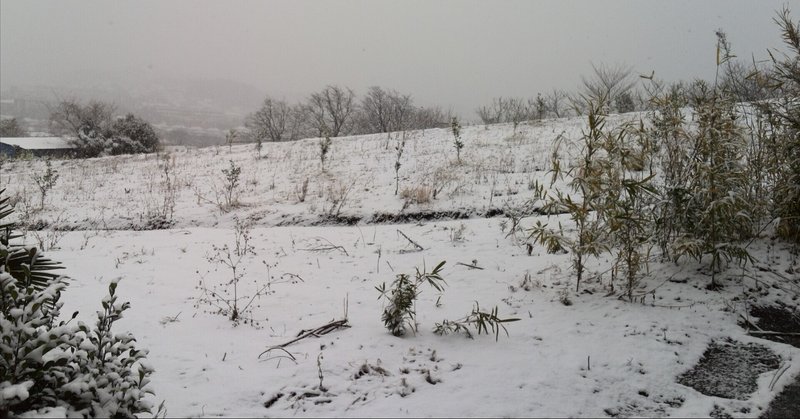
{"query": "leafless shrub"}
{"type": "Point", "coordinates": [337, 194]}
{"type": "Point", "coordinates": [324, 148]}
{"type": "Point", "coordinates": [506, 110]}
{"type": "Point", "coordinates": [160, 211]}
{"type": "Point", "coordinates": [46, 182]}
{"type": "Point", "coordinates": [225, 298]}
{"type": "Point", "coordinates": [49, 238]}
{"type": "Point", "coordinates": [301, 191]}
{"type": "Point", "coordinates": [399, 148]}
{"type": "Point", "coordinates": [457, 233]}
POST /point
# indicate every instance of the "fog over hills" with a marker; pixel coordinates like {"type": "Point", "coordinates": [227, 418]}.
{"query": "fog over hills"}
{"type": "Point", "coordinates": [213, 105]}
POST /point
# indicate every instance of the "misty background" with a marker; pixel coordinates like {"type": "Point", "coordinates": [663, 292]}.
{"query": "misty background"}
{"type": "Point", "coordinates": [204, 65]}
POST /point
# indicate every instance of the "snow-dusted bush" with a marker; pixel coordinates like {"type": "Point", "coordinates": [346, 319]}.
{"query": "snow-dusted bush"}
{"type": "Point", "coordinates": [399, 148]}
{"type": "Point", "coordinates": [610, 198]}
{"type": "Point", "coordinates": [455, 127]}
{"type": "Point", "coordinates": [481, 321]}
{"type": "Point", "coordinates": [716, 215]}
{"type": "Point", "coordinates": [324, 147]}
{"type": "Point", "coordinates": [46, 182]}
{"type": "Point", "coordinates": [782, 139]}
{"type": "Point", "coordinates": [628, 197]}
{"type": "Point", "coordinates": [400, 315]}
{"type": "Point", "coordinates": [706, 206]}
{"type": "Point", "coordinates": [92, 144]}
{"type": "Point", "coordinates": [161, 206]}
{"type": "Point", "coordinates": [667, 123]}
{"type": "Point", "coordinates": [231, 186]}
{"type": "Point", "coordinates": [134, 135]}
{"type": "Point", "coordinates": [49, 364]}
{"type": "Point", "coordinates": [585, 204]}
{"type": "Point", "coordinates": [96, 133]}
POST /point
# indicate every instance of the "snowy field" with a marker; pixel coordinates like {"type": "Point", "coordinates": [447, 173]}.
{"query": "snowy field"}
{"type": "Point", "coordinates": [596, 356]}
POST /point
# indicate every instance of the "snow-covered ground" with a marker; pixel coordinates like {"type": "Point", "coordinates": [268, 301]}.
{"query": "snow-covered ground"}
{"type": "Point", "coordinates": [598, 356]}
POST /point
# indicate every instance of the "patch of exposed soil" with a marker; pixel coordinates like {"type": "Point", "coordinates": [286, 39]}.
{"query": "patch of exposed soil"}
{"type": "Point", "coordinates": [349, 220]}
{"type": "Point", "coordinates": [410, 217]}
{"type": "Point", "coordinates": [778, 319]}
{"type": "Point", "coordinates": [730, 369]}
{"type": "Point", "coordinates": [407, 217]}
{"type": "Point", "coordinates": [787, 320]}
{"type": "Point", "coordinates": [786, 404]}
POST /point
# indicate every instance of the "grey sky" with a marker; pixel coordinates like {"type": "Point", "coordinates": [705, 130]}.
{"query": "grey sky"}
{"type": "Point", "coordinates": [450, 53]}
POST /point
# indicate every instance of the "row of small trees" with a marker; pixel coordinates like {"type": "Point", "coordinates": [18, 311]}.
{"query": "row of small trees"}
{"type": "Point", "coordinates": [335, 111]}
{"type": "Point", "coordinates": [515, 110]}
{"type": "Point", "coordinates": [613, 83]}
{"type": "Point", "coordinates": [617, 84]}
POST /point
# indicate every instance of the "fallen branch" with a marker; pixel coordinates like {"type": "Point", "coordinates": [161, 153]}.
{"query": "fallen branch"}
{"type": "Point", "coordinates": [674, 306]}
{"type": "Point", "coordinates": [411, 241]}
{"type": "Point", "coordinates": [322, 330]}
{"type": "Point", "coordinates": [778, 374]}
{"type": "Point", "coordinates": [753, 325]}
{"type": "Point", "coordinates": [330, 246]}
{"type": "Point", "coordinates": [469, 266]}
{"type": "Point", "coordinates": [279, 357]}
{"type": "Point", "coordinates": [786, 280]}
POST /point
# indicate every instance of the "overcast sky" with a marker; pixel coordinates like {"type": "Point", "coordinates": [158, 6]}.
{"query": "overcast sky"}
{"type": "Point", "coordinates": [456, 54]}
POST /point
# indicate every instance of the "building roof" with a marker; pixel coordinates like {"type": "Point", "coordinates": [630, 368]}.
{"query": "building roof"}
{"type": "Point", "coordinates": [37, 143]}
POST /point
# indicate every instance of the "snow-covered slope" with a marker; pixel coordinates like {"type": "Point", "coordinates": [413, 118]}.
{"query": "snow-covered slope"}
{"type": "Point", "coordinates": [598, 356]}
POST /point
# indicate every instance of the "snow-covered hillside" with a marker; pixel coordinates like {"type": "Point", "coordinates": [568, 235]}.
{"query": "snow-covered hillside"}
{"type": "Point", "coordinates": [359, 179]}
{"type": "Point", "coordinates": [569, 354]}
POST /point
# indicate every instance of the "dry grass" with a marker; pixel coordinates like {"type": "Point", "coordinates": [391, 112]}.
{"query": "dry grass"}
{"type": "Point", "coordinates": [417, 194]}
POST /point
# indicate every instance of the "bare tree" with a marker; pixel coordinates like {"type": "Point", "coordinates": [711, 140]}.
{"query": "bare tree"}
{"type": "Point", "coordinates": [555, 102]}
{"type": "Point", "coordinates": [516, 111]}
{"type": "Point", "coordinates": [329, 111]}
{"type": "Point", "coordinates": [70, 117]}
{"type": "Point", "coordinates": [386, 111]}
{"type": "Point", "coordinates": [742, 81]}
{"type": "Point", "coordinates": [375, 107]}
{"type": "Point", "coordinates": [230, 137]}
{"type": "Point", "coordinates": [402, 111]}
{"type": "Point", "coordinates": [275, 120]}
{"type": "Point", "coordinates": [492, 114]}
{"type": "Point", "coordinates": [608, 82]}
{"type": "Point", "coordinates": [537, 107]}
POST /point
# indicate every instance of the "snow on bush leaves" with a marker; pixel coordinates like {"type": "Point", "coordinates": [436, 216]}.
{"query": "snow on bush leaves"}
{"type": "Point", "coordinates": [47, 363]}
